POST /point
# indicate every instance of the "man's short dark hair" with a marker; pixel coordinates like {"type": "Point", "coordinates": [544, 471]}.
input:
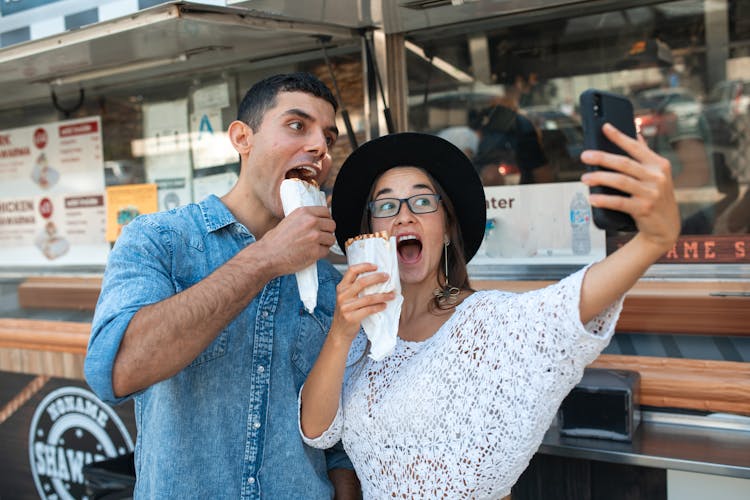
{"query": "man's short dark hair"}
{"type": "Point", "coordinates": [262, 96]}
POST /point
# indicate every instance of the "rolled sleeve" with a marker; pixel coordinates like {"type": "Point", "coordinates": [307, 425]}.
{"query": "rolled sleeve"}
{"type": "Point", "coordinates": [137, 275]}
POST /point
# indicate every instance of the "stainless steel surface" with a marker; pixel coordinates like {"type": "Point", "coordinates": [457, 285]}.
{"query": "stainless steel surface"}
{"type": "Point", "coordinates": [403, 16]}
{"type": "Point", "coordinates": [172, 38]}
{"type": "Point", "coordinates": [691, 448]}
{"type": "Point", "coordinates": [724, 421]}
{"type": "Point", "coordinates": [359, 13]}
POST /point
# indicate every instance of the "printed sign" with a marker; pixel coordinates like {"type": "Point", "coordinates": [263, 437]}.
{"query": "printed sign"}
{"type": "Point", "coordinates": [52, 194]}
{"type": "Point", "coordinates": [700, 249]}
{"type": "Point", "coordinates": [125, 203]}
{"type": "Point", "coordinates": [70, 428]}
{"type": "Point", "coordinates": [166, 151]}
{"type": "Point", "coordinates": [540, 224]}
{"type": "Point", "coordinates": [209, 141]}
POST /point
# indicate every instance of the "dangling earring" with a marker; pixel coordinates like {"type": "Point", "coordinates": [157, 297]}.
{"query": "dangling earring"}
{"type": "Point", "coordinates": [447, 294]}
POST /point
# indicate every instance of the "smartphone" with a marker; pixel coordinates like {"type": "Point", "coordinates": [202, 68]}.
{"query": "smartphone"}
{"type": "Point", "coordinates": [597, 108]}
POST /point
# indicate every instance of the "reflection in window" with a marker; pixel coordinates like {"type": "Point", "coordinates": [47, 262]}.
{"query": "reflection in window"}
{"type": "Point", "coordinates": [517, 119]}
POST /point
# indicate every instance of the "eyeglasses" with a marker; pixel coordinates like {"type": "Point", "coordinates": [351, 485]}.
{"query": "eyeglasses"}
{"type": "Point", "coordinates": [418, 204]}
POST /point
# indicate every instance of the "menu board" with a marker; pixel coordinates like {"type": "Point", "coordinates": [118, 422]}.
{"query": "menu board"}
{"type": "Point", "coordinates": [52, 208]}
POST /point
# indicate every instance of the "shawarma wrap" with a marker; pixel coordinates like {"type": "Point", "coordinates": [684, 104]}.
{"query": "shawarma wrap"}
{"type": "Point", "coordinates": [381, 328]}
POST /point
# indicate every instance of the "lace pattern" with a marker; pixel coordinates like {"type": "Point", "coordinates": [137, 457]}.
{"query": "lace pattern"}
{"type": "Point", "coordinates": [461, 414]}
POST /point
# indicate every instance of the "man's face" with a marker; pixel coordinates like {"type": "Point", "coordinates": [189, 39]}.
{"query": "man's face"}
{"type": "Point", "coordinates": [293, 140]}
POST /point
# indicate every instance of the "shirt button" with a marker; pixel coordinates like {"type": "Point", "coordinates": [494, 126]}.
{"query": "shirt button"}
{"type": "Point", "coordinates": [251, 480]}
{"type": "Point", "coordinates": [256, 425]}
{"type": "Point", "coordinates": [261, 369]}
{"type": "Point", "coordinates": [265, 314]}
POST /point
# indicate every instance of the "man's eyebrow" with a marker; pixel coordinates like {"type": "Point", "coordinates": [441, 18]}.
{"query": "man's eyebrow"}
{"type": "Point", "coordinates": [306, 116]}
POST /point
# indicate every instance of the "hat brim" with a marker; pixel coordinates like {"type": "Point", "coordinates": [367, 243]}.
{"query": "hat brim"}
{"type": "Point", "coordinates": [447, 164]}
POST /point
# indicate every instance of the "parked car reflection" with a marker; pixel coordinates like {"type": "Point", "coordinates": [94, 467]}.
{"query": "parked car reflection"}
{"type": "Point", "coordinates": [663, 112]}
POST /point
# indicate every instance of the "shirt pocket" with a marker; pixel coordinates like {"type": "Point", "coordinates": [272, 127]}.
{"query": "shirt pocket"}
{"type": "Point", "coordinates": [311, 334]}
{"type": "Point", "coordinates": [215, 349]}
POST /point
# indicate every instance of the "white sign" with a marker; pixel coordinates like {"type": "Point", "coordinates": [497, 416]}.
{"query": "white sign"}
{"type": "Point", "coordinates": [540, 224]}
{"type": "Point", "coordinates": [52, 194]}
{"type": "Point", "coordinates": [55, 158]}
{"type": "Point", "coordinates": [166, 151]}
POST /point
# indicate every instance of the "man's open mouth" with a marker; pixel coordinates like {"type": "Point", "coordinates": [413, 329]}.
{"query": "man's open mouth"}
{"type": "Point", "coordinates": [304, 173]}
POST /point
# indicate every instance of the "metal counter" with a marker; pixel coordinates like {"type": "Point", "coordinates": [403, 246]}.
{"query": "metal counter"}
{"type": "Point", "coordinates": [717, 444]}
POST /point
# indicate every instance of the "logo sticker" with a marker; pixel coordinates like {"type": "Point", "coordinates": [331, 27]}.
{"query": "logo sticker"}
{"type": "Point", "coordinates": [71, 427]}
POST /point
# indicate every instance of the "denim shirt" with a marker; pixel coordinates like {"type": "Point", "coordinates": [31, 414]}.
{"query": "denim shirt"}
{"type": "Point", "coordinates": [226, 425]}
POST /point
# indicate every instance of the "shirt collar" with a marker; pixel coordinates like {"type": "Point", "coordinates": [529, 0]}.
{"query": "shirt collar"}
{"type": "Point", "coordinates": [216, 215]}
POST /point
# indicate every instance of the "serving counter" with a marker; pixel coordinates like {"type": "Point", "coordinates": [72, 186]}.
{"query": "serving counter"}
{"type": "Point", "coordinates": [695, 427]}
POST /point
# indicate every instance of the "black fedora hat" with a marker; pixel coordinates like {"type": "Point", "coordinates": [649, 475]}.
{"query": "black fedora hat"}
{"type": "Point", "coordinates": [447, 164]}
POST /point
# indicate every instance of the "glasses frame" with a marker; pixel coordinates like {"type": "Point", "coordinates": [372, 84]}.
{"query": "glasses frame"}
{"type": "Point", "coordinates": [401, 201]}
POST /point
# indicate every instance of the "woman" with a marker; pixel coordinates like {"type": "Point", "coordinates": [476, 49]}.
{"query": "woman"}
{"type": "Point", "coordinates": [460, 407]}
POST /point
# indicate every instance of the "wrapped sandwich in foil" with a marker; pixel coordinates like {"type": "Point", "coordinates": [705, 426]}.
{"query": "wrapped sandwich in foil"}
{"type": "Point", "coordinates": [297, 193]}
{"type": "Point", "coordinates": [382, 327]}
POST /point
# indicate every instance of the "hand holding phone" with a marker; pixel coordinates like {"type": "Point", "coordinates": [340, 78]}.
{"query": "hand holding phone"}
{"type": "Point", "coordinates": [597, 108]}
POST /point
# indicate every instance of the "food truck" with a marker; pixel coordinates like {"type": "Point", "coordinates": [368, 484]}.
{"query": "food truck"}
{"type": "Point", "coordinates": [113, 109]}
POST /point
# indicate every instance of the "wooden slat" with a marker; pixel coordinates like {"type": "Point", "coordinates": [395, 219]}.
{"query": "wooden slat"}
{"type": "Point", "coordinates": [716, 386]}
{"type": "Point", "coordinates": [53, 364]}
{"type": "Point", "coordinates": [56, 336]}
{"type": "Point", "coordinates": [59, 293]}
{"type": "Point", "coordinates": [670, 307]}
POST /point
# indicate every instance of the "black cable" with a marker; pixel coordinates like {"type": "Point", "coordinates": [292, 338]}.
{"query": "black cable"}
{"type": "Point", "coordinates": [386, 109]}
{"type": "Point", "coordinates": [344, 112]}
{"type": "Point", "coordinates": [67, 111]}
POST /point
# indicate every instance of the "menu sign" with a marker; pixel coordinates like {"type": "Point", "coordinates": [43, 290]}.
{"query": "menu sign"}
{"type": "Point", "coordinates": [52, 194]}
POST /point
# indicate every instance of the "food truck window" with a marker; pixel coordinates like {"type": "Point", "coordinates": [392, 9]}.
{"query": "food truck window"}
{"type": "Point", "coordinates": [507, 94]}
{"type": "Point", "coordinates": [74, 172]}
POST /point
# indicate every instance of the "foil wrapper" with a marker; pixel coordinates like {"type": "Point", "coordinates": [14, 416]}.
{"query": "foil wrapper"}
{"type": "Point", "coordinates": [381, 328]}
{"type": "Point", "coordinates": [296, 193]}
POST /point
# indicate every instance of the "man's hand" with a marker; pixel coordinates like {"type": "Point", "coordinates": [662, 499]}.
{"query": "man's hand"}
{"type": "Point", "coordinates": [300, 239]}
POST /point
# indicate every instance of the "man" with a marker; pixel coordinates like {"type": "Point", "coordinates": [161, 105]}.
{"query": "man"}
{"type": "Point", "coordinates": [508, 137]}
{"type": "Point", "coordinates": [200, 320]}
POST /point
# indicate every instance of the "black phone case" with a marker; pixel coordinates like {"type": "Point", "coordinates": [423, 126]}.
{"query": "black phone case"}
{"type": "Point", "coordinates": [597, 108]}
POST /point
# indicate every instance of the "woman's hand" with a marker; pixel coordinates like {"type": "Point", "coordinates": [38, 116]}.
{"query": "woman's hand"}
{"type": "Point", "coordinates": [647, 177]}
{"type": "Point", "coordinates": [352, 306]}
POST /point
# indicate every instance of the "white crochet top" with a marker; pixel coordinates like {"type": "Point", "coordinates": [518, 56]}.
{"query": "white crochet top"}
{"type": "Point", "coordinates": [460, 414]}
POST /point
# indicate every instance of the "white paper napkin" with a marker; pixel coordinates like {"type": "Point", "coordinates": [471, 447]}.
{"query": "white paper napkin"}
{"type": "Point", "coordinates": [382, 327]}
{"type": "Point", "coordinates": [297, 193]}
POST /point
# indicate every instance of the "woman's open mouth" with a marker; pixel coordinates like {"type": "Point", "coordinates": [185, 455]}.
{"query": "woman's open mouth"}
{"type": "Point", "coordinates": [409, 248]}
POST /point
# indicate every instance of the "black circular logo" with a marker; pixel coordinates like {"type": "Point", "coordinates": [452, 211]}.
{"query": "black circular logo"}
{"type": "Point", "coordinates": [71, 427]}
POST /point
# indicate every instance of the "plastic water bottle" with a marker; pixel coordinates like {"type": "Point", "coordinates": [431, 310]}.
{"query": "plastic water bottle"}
{"type": "Point", "coordinates": [580, 218]}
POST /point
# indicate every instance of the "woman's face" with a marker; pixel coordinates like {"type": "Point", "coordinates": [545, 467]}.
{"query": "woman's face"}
{"type": "Point", "coordinates": [419, 237]}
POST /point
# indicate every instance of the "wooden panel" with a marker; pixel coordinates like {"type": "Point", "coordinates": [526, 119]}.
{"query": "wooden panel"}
{"type": "Point", "coordinates": [53, 364]}
{"type": "Point", "coordinates": [56, 336]}
{"type": "Point", "coordinates": [716, 386]}
{"type": "Point", "coordinates": [59, 293]}
{"type": "Point", "coordinates": [650, 307]}
{"type": "Point", "coordinates": [671, 307]}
